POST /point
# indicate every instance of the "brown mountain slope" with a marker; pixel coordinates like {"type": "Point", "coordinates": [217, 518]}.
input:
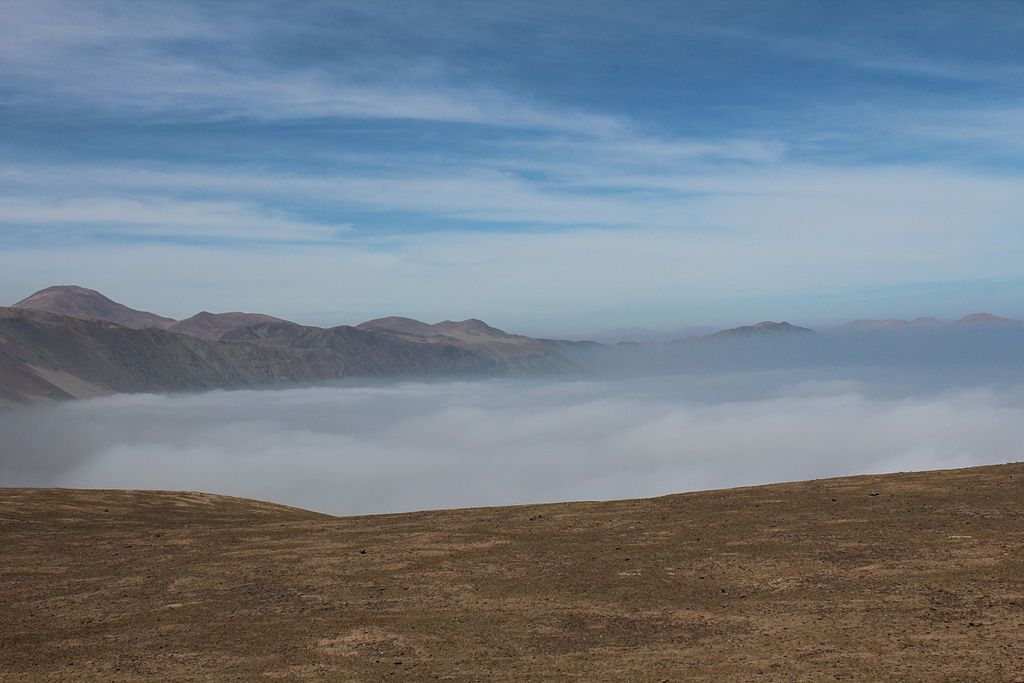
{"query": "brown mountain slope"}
{"type": "Point", "coordinates": [46, 357]}
{"type": "Point", "coordinates": [50, 356]}
{"type": "Point", "coordinates": [214, 325]}
{"type": "Point", "coordinates": [398, 325]}
{"type": "Point", "coordinates": [471, 330]}
{"type": "Point", "coordinates": [522, 353]}
{"type": "Point", "coordinates": [346, 350]}
{"type": "Point", "coordinates": [20, 384]}
{"type": "Point", "coordinates": [912, 577]}
{"type": "Point", "coordinates": [79, 302]}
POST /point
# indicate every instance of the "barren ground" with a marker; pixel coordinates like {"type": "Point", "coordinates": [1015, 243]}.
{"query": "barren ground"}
{"type": "Point", "coordinates": [900, 577]}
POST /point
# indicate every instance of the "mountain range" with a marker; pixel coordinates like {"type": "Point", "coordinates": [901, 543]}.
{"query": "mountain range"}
{"type": "Point", "coordinates": [71, 342]}
{"type": "Point", "coordinates": [68, 342]}
{"type": "Point", "coordinates": [974, 319]}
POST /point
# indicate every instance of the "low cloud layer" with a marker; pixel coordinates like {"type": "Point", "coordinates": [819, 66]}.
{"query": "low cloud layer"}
{"type": "Point", "coordinates": [350, 450]}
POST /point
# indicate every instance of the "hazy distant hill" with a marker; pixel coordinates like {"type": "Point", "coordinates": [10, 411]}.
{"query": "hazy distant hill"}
{"type": "Point", "coordinates": [972, 320]}
{"type": "Point", "coordinates": [986, 319]}
{"type": "Point", "coordinates": [767, 328]}
{"type": "Point", "coordinates": [976, 346]}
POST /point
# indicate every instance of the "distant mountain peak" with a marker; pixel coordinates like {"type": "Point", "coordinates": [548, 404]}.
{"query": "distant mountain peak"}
{"type": "Point", "coordinates": [80, 302]}
{"type": "Point", "coordinates": [397, 324]}
{"type": "Point", "coordinates": [926, 322]}
{"type": "Point", "coordinates": [765, 327]}
{"type": "Point", "coordinates": [76, 289]}
{"type": "Point", "coordinates": [215, 325]}
{"type": "Point", "coordinates": [987, 319]}
{"type": "Point", "coordinates": [471, 326]}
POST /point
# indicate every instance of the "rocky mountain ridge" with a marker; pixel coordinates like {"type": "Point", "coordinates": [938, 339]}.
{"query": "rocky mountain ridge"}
{"type": "Point", "coordinates": [95, 346]}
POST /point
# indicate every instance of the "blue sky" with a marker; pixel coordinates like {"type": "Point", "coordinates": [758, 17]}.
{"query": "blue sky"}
{"type": "Point", "coordinates": [554, 168]}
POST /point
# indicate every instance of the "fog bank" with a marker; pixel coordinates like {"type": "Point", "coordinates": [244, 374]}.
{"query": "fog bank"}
{"type": "Point", "coordinates": [350, 450]}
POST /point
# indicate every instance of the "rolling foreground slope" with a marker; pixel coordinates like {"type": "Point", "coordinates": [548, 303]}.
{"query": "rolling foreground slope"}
{"type": "Point", "coordinates": [899, 577]}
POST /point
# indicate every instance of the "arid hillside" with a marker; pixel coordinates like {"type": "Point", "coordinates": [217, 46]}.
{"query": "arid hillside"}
{"type": "Point", "coordinates": [899, 577]}
{"type": "Point", "coordinates": [79, 302]}
{"type": "Point", "coordinates": [46, 357]}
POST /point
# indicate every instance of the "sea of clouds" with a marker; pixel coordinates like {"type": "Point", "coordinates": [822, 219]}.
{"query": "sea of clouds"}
{"type": "Point", "coordinates": [407, 446]}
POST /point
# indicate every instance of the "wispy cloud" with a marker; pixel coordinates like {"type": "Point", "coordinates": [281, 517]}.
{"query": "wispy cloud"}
{"type": "Point", "coordinates": [141, 218]}
{"type": "Point", "coordinates": [642, 160]}
{"type": "Point", "coordinates": [899, 205]}
{"type": "Point", "coordinates": [177, 61]}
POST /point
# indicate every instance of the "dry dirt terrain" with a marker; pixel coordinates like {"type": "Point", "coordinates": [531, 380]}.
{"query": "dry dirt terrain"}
{"type": "Point", "coordinates": [901, 577]}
